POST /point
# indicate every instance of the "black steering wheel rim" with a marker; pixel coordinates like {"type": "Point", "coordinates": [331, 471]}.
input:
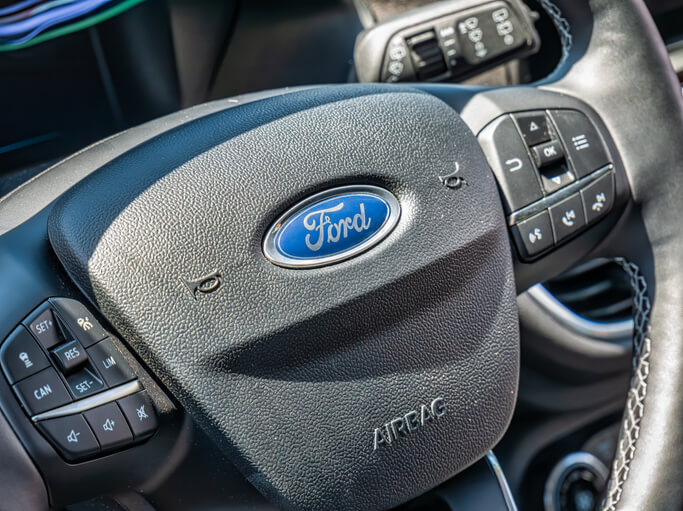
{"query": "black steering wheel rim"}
{"type": "Point", "coordinates": [618, 64]}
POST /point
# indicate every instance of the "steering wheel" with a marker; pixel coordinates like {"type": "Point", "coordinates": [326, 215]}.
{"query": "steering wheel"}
{"type": "Point", "coordinates": [363, 372]}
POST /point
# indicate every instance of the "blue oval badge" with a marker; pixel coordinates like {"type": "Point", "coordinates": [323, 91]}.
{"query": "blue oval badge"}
{"type": "Point", "coordinates": [331, 226]}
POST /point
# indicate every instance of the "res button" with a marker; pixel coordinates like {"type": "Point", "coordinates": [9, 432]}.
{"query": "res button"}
{"type": "Point", "coordinates": [69, 356]}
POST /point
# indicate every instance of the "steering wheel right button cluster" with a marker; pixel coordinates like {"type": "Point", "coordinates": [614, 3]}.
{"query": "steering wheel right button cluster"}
{"type": "Point", "coordinates": [554, 173]}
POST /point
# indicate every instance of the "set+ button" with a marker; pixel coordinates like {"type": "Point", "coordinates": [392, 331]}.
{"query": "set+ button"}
{"type": "Point", "coordinates": [45, 328]}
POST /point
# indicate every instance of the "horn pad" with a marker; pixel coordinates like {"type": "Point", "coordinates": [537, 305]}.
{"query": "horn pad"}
{"type": "Point", "coordinates": [356, 385]}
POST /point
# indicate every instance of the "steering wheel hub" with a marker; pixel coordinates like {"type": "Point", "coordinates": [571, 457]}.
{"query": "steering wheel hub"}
{"type": "Point", "coordinates": [300, 376]}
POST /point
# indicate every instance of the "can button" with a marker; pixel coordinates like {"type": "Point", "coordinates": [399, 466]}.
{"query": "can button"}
{"type": "Point", "coordinates": [42, 391]}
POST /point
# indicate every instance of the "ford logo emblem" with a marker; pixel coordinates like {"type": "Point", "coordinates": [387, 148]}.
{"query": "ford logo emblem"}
{"type": "Point", "coordinates": [331, 226]}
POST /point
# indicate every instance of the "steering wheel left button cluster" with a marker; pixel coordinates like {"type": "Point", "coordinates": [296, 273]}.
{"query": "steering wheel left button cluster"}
{"type": "Point", "coordinates": [75, 382]}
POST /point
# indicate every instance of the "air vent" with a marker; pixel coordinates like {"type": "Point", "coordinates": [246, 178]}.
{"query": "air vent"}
{"type": "Point", "coordinates": [594, 299]}
{"type": "Point", "coordinates": [598, 290]}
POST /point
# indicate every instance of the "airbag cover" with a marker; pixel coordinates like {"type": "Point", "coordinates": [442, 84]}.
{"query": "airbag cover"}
{"type": "Point", "coordinates": [293, 371]}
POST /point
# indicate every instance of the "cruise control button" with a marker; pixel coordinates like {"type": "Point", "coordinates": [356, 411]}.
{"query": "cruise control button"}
{"type": "Point", "coordinates": [42, 391]}
{"type": "Point", "coordinates": [84, 382]}
{"type": "Point", "coordinates": [567, 217]}
{"type": "Point", "coordinates": [45, 329]}
{"type": "Point", "coordinates": [109, 426]}
{"type": "Point", "coordinates": [508, 157]}
{"type": "Point", "coordinates": [534, 127]}
{"type": "Point", "coordinates": [110, 363]}
{"type": "Point", "coordinates": [534, 235]}
{"type": "Point", "coordinates": [140, 414]}
{"type": "Point", "coordinates": [548, 153]}
{"type": "Point", "coordinates": [598, 198]}
{"type": "Point", "coordinates": [21, 355]}
{"type": "Point", "coordinates": [69, 356]}
{"type": "Point", "coordinates": [71, 436]}
{"type": "Point", "coordinates": [585, 148]}
{"type": "Point", "coordinates": [79, 320]}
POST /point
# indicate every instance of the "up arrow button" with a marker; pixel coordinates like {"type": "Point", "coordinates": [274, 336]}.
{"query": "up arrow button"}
{"type": "Point", "coordinates": [533, 126]}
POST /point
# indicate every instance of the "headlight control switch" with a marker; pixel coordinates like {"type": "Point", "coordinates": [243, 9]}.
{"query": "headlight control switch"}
{"type": "Point", "coordinates": [445, 41]}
